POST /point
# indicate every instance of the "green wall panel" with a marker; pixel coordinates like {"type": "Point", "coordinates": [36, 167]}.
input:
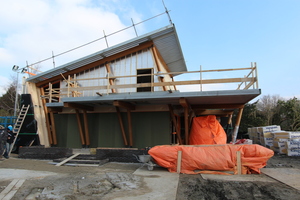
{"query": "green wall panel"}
{"type": "Point", "coordinates": [149, 129]}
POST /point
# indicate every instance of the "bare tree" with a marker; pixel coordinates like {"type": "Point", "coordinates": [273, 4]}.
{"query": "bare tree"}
{"type": "Point", "coordinates": [267, 105]}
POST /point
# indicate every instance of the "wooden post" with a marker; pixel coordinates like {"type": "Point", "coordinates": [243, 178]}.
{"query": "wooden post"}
{"type": "Point", "coordinates": [130, 128]}
{"type": "Point", "coordinates": [239, 162]}
{"type": "Point", "coordinates": [53, 128]}
{"type": "Point", "coordinates": [86, 128]}
{"type": "Point", "coordinates": [122, 126]}
{"type": "Point", "coordinates": [80, 127]}
{"type": "Point", "coordinates": [46, 117]}
{"type": "Point", "coordinates": [237, 124]}
{"type": "Point", "coordinates": [179, 157]}
{"type": "Point", "coordinates": [175, 124]}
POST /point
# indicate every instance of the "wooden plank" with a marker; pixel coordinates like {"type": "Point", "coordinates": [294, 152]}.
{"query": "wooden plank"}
{"type": "Point", "coordinates": [288, 176]}
{"type": "Point", "coordinates": [122, 126]}
{"type": "Point", "coordinates": [11, 189]}
{"type": "Point", "coordinates": [239, 162]}
{"type": "Point", "coordinates": [80, 127]}
{"type": "Point", "coordinates": [179, 157]}
{"type": "Point", "coordinates": [66, 160]}
{"type": "Point", "coordinates": [160, 84]}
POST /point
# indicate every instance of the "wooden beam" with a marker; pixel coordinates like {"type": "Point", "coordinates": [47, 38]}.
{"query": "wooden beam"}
{"type": "Point", "coordinates": [80, 127]}
{"type": "Point", "coordinates": [124, 104]}
{"type": "Point", "coordinates": [157, 63]}
{"type": "Point", "coordinates": [86, 128]}
{"type": "Point", "coordinates": [111, 81]}
{"type": "Point", "coordinates": [214, 112]}
{"type": "Point", "coordinates": [54, 109]}
{"type": "Point", "coordinates": [99, 62]}
{"type": "Point", "coordinates": [130, 128]}
{"type": "Point", "coordinates": [122, 126]}
{"type": "Point", "coordinates": [217, 106]}
{"type": "Point", "coordinates": [175, 124]}
{"type": "Point", "coordinates": [78, 106]}
{"type": "Point", "coordinates": [53, 129]}
{"type": "Point", "coordinates": [183, 102]}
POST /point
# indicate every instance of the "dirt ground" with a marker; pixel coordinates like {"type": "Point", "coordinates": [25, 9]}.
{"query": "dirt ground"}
{"type": "Point", "coordinates": [116, 180]}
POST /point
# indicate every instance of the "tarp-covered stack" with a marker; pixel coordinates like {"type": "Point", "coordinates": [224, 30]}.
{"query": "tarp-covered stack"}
{"type": "Point", "coordinates": [212, 158]}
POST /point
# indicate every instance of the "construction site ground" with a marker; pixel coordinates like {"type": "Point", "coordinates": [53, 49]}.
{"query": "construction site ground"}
{"type": "Point", "coordinates": [38, 179]}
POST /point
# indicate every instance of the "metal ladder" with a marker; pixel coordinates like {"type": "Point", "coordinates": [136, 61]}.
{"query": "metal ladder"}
{"type": "Point", "coordinates": [18, 124]}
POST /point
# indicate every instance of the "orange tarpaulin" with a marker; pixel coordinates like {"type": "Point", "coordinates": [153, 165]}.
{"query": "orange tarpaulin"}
{"type": "Point", "coordinates": [207, 130]}
{"type": "Point", "coordinates": [210, 158]}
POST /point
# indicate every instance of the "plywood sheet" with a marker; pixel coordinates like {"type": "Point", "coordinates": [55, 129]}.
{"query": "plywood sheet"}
{"type": "Point", "coordinates": [289, 176]}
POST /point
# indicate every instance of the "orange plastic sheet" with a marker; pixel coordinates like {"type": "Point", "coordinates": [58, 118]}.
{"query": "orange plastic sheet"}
{"type": "Point", "coordinates": [207, 130]}
{"type": "Point", "coordinates": [212, 158]}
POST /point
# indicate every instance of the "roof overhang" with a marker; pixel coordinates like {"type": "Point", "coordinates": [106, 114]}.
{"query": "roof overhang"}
{"type": "Point", "coordinates": [165, 40]}
{"type": "Point", "coordinates": [227, 99]}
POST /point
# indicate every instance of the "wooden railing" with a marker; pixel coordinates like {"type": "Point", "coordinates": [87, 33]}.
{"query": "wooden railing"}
{"type": "Point", "coordinates": [247, 82]}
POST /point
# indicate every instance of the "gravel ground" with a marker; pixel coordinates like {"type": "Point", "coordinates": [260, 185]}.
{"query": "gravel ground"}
{"type": "Point", "coordinates": [114, 180]}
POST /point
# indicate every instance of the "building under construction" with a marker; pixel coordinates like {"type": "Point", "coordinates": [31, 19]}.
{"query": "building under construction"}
{"type": "Point", "coordinates": [127, 96]}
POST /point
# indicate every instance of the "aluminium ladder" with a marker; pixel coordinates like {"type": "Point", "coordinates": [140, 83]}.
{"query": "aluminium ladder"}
{"type": "Point", "coordinates": [18, 124]}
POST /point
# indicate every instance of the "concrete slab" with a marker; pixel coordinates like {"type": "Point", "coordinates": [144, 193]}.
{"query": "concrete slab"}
{"type": "Point", "coordinates": [289, 176]}
{"type": "Point", "coordinates": [9, 174]}
{"type": "Point", "coordinates": [248, 177]}
{"type": "Point", "coordinates": [163, 184]}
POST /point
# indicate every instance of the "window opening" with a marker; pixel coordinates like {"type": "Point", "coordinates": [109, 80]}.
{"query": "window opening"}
{"type": "Point", "coordinates": [147, 78]}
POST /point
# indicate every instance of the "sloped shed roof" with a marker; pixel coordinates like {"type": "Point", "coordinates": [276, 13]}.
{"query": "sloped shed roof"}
{"type": "Point", "coordinates": [165, 39]}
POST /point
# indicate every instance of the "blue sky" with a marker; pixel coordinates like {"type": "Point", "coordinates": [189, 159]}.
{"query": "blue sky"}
{"type": "Point", "coordinates": [213, 33]}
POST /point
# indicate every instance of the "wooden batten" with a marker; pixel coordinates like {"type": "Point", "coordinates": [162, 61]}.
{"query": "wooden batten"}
{"type": "Point", "coordinates": [184, 103]}
{"type": "Point", "coordinates": [80, 127]}
{"type": "Point", "coordinates": [122, 126]}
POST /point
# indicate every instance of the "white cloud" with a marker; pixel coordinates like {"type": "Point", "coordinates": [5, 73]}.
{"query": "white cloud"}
{"type": "Point", "coordinates": [35, 28]}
